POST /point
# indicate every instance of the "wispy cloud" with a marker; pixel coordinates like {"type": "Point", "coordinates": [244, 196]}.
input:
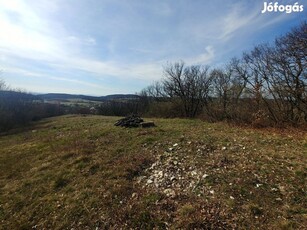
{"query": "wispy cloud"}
{"type": "Point", "coordinates": [59, 51]}
{"type": "Point", "coordinates": [238, 17]}
{"type": "Point", "coordinates": [33, 74]}
{"type": "Point", "coordinates": [203, 58]}
{"type": "Point", "coordinates": [247, 17]}
{"type": "Point", "coordinates": [81, 41]}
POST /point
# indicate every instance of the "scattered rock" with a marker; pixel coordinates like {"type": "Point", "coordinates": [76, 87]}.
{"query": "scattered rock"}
{"type": "Point", "coordinates": [205, 176]}
{"type": "Point", "coordinates": [160, 174]}
{"type": "Point", "coordinates": [193, 173]}
{"type": "Point", "coordinates": [173, 174]}
{"type": "Point", "coordinates": [169, 192]}
{"type": "Point", "coordinates": [134, 195]}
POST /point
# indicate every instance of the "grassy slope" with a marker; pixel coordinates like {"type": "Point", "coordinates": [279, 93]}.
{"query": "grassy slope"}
{"type": "Point", "coordinates": [76, 171]}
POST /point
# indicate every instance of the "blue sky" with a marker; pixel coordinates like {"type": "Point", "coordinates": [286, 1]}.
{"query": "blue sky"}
{"type": "Point", "coordinates": [101, 47]}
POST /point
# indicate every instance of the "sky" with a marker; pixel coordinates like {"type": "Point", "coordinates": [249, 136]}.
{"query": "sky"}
{"type": "Point", "coordinates": [102, 47]}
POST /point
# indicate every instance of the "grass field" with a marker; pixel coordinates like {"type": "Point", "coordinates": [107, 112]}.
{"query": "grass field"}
{"type": "Point", "coordinates": [82, 172]}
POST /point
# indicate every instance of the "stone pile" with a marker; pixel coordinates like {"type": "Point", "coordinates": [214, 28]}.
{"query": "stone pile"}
{"type": "Point", "coordinates": [129, 121]}
{"type": "Point", "coordinates": [134, 121]}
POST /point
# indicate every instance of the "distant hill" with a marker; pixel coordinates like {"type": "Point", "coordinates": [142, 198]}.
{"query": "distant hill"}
{"type": "Point", "coordinates": [13, 95]}
{"type": "Point", "coordinates": [9, 95]}
{"type": "Point", "coordinates": [63, 96]}
{"type": "Point", "coordinates": [120, 96]}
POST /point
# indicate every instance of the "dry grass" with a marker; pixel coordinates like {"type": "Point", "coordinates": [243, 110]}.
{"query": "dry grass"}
{"type": "Point", "coordinates": [81, 172]}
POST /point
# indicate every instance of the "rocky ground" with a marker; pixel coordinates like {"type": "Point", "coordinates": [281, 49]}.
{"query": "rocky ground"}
{"type": "Point", "coordinates": [175, 173]}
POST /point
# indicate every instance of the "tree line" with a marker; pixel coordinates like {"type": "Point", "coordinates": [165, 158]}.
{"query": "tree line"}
{"type": "Point", "coordinates": [18, 108]}
{"type": "Point", "coordinates": [265, 86]}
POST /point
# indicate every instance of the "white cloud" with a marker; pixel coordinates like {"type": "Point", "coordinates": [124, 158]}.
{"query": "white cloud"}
{"type": "Point", "coordinates": [204, 58]}
{"type": "Point", "coordinates": [24, 72]}
{"type": "Point", "coordinates": [143, 71]}
{"type": "Point", "coordinates": [17, 40]}
{"type": "Point", "coordinates": [27, 37]}
{"type": "Point", "coordinates": [90, 41]}
{"type": "Point", "coordinates": [244, 17]}
{"type": "Point", "coordinates": [238, 17]}
{"type": "Point", "coordinates": [82, 41]}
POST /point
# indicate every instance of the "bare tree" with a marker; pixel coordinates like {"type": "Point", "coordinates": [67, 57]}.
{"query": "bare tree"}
{"type": "Point", "coordinates": [187, 85]}
{"type": "Point", "coordinates": [222, 83]}
{"type": "Point", "coordinates": [278, 73]}
{"type": "Point", "coordinates": [154, 91]}
{"type": "Point", "coordinates": [3, 85]}
{"type": "Point", "coordinates": [289, 63]}
{"type": "Point", "coordinates": [238, 83]}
